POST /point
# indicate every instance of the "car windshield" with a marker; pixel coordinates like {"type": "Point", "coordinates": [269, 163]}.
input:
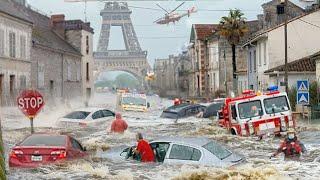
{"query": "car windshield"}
{"type": "Point", "coordinates": [276, 104]}
{"type": "Point", "coordinates": [217, 150]}
{"type": "Point", "coordinates": [44, 140]}
{"type": "Point", "coordinates": [250, 109]}
{"type": "Point", "coordinates": [134, 101]}
{"type": "Point", "coordinates": [77, 115]}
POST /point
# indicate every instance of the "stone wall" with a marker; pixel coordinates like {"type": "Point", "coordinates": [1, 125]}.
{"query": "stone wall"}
{"type": "Point", "coordinates": [47, 77]}
{"type": "Point", "coordinates": [14, 70]}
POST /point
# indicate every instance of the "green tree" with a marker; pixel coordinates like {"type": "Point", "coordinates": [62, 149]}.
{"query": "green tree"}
{"type": "Point", "coordinates": [2, 160]}
{"type": "Point", "coordinates": [233, 27]}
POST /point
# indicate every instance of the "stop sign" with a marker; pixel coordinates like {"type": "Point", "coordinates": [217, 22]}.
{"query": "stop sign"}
{"type": "Point", "coordinates": [30, 102]}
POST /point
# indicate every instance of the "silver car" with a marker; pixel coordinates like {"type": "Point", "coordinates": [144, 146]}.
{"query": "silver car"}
{"type": "Point", "coordinates": [202, 151]}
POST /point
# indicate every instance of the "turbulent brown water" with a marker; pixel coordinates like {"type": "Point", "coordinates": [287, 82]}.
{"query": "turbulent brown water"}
{"type": "Point", "coordinates": [103, 147]}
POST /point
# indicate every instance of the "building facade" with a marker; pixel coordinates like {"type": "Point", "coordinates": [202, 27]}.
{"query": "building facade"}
{"type": "Point", "coordinates": [266, 49]}
{"type": "Point", "coordinates": [15, 44]}
{"type": "Point", "coordinates": [80, 36]}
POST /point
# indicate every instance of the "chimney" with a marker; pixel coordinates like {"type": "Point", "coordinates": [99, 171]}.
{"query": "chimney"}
{"type": "Point", "coordinates": [57, 24]}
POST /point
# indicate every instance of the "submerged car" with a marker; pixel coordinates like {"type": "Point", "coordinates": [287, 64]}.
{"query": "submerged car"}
{"type": "Point", "coordinates": [201, 151]}
{"type": "Point", "coordinates": [86, 117]}
{"type": "Point", "coordinates": [182, 111]}
{"type": "Point", "coordinates": [39, 149]}
{"type": "Point", "coordinates": [212, 109]}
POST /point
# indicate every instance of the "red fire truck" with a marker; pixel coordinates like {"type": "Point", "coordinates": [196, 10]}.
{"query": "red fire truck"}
{"type": "Point", "coordinates": [257, 113]}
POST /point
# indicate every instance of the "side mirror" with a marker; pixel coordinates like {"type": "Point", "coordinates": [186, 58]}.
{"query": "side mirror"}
{"type": "Point", "coordinates": [148, 105]}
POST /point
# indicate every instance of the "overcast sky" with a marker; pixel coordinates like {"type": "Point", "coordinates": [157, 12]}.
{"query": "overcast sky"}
{"type": "Point", "coordinates": [158, 40]}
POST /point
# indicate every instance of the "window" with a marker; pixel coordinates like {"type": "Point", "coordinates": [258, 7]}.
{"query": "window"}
{"type": "Point", "coordinates": [69, 72]}
{"type": "Point", "coordinates": [265, 53]}
{"type": "Point", "coordinates": [22, 47]}
{"type": "Point", "coordinates": [40, 75]}
{"type": "Point", "coordinates": [78, 69]}
{"type": "Point", "coordinates": [76, 144]}
{"type": "Point", "coordinates": [184, 153]}
{"type": "Point", "coordinates": [12, 44]}
{"type": "Point", "coordinates": [23, 82]}
{"type": "Point", "coordinates": [250, 109]}
{"type": "Point", "coordinates": [87, 44]}
{"type": "Point", "coordinates": [276, 104]}
{"type": "Point", "coordinates": [77, 115]}
{"type": "Point", "coordinates": [44, 140]}
{"type": "Point", "coordinates": [255, 60]}
{"type": "Point", "coordinates": [107, 113]}
{"type": "Point", "coordinates": [87, 72]}
{"type": "Point", "coordinates": [97, 115]}
{"type": "Point", "coordinates": [217, 150]}
{"type": "Point", "coordinates": [1, 42]}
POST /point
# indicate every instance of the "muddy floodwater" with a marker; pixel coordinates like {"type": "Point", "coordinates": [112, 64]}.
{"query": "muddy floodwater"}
{"type": "Point", "coordinates": [104, 161]}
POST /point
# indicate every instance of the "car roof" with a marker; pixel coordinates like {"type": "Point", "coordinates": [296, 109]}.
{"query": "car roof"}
{"type": "Point", "coordinates": [176, 108]}
{"type": "Point", "coordinates": [89, 109]}
{"type": "Point", "coordinates": [201, 141]}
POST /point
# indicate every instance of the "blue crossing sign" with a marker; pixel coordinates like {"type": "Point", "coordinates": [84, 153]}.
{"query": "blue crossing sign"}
{"type": "Point", "coordinates": [303, 85]}
{"type": "Point", "coordinates": [303, 96]}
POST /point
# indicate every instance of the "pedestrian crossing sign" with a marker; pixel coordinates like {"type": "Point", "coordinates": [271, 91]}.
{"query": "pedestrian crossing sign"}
{"type": "Point", "coordinates": [303, 85]}
{"type": "Point", "coordinates": [303, 98]}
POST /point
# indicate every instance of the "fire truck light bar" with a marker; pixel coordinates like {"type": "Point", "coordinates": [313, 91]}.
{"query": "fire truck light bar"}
{"type": "Point", "coordinates": [272, 88]}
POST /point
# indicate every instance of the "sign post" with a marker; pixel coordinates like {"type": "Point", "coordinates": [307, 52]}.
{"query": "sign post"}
{"type": "Point", "coordinates": [303, 96]}
{"type": "Point", "coordinates": [30, 103]}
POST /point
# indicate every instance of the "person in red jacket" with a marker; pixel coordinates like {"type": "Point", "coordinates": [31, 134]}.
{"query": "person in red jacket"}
{"type": "Point", "coordinates": [144, 149]}
{"type": "Point", "coordinates": [291, 147]}
{"type": "Point", "coordinates": [118, 125]}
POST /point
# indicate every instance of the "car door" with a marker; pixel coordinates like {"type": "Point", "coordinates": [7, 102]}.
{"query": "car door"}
{"type": "Point", "coordinates": [97, 118]}
{"type": "Point", "coordinates": [160, 150]}
{"type": "Point", "coordinates": [183, 154]}
{"type": "Point", "coordinates": [77, 149]}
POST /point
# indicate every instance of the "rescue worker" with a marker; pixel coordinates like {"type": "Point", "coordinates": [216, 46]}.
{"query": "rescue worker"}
{"type": "Point", "coordinates": [176, 101]}
{"type": "Point", "coordinates": [144, 149]}
{"type": "Point", "coordinates": [118, 125]}
{"type": "Point", "coordinates": [254, 111]}
{"type": "Point", "coordinates": [291, 147]}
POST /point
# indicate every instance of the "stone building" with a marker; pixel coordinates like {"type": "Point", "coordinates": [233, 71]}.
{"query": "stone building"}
{"type": "Point", "coordinates": [56, 65]}
{"type": "Point", "coordinates": [80, 36]}
{"type": "Point", "coordinates": [212, 56]}
{"type": "Point", "coordinates": [15, 61]}
{"type": "Point", "coordinates": [172, 75]}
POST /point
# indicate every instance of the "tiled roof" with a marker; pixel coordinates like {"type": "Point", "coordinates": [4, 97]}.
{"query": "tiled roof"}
{"type": "Point", "coordinates": [42, 34]}
{"type": "Point", "coordinates": [10, 8]}
{"type": "Point", "coordinates": [307, 64]}
{"type": "Point", "coordinates": [204, 30]}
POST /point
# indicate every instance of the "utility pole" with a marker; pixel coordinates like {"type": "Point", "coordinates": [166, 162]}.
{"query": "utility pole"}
{"type": "Point", "coordinates": [285, 3]}
{"type": "Point", "coordinates": [206, 68]}
{"type": "Point", "coordinates": [225, 71]}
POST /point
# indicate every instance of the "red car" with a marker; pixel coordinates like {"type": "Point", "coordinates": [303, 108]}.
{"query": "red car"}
{"type": "Point", "coordinates": [38, 149]}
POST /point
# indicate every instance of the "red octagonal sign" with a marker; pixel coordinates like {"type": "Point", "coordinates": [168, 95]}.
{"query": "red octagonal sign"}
{"type": "Point", "coordinates": [30, 102]}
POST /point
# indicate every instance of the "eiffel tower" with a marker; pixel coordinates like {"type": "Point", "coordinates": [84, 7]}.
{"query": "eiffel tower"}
{"type": "Point", "coordinates": [132, 60]}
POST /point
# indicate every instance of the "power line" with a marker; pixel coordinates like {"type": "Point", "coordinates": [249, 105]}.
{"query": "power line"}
{"type": "Point", "coordinates": [309, 23]}
{"type": "Point", "coordinates": [168, 37]}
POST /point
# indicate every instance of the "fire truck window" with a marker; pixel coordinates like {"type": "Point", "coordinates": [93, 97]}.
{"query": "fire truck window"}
{"type": "Point", "coordinates": [250, 109]}
{"type": "Point", "coordinates": [276, 104]}
{"type": "Point", "coordinates": [234, 112]}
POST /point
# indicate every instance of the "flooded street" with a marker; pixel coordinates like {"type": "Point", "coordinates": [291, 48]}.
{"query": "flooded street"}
{"type": "Point", "coordinates": [105, 162]}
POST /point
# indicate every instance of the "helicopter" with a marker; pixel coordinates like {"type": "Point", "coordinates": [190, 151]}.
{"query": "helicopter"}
{"type": "Point", "coordinates": [172, 16]}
